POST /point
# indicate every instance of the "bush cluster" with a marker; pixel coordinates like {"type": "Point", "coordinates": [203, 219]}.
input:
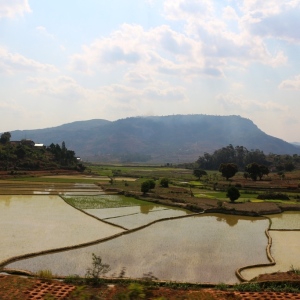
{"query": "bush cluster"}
{"type": "Point", "coordinates": [273, 196]}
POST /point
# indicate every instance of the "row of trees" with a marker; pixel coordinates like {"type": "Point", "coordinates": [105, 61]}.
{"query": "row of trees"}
{"type": "Point", "coordinates": [228, 170]}
{"type": "Point", "coordinates": [148, 185]}
{"type": "Point", "coordinates": [62, 155]}
{"type": "Point", "coordinates": [238, 155]}
{"type": "Point", "coordinates": [242, 157]}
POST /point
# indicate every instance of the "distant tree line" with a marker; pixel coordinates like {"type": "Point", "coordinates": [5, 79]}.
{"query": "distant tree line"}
{"type": "Point", "coordinates": [62, 155]}
{"type": "Point", "coordinates": [242, 157]}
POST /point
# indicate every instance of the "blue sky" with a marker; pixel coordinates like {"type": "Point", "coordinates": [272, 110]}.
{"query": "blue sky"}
{"type": "Point", "coordinates": [65, 61]}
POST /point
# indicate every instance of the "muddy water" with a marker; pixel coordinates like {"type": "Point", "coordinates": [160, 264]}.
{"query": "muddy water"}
{"type": "Point", "coordinates": [50, 189]}
{"type": "Point", "coordinates": [286, 220]}
{"type": "Point", "coordinates": [36, 223]}
{"type": "Point", "coordinates": [141, 219]}
{"type": "Point", "coordinates": [206, 248]}
{"type": "Point", "coordinates": [107, 213]}
{"type": "Point", "coordinates": [285, 250]}
{"type": "Point", "coordinates": [136, 216]}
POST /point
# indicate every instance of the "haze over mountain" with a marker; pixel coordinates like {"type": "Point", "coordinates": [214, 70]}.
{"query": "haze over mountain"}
{"type": "Point", "coordinates": [173, 139]}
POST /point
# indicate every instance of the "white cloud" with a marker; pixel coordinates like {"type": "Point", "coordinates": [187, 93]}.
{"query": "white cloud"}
{"type": "Point", "coordinates": [257, 9]}
{"type": "Point", "coordinates": [124, 46]}
{"type": "Point", "coordinates": [12, 8]}
{"type": "Point", "coordinates": [43, 31]}
{"type": "Point", "coordinates": [61, 88]}
{"type": "Point", "coordinates": [224, 34]}
{"type": "Point", "coordinates": [138, 76]}
{"type": "Point", "coordinates": [67, 89]}
{"type": "Point", "coordinates": [238, 103]}
{"type": "Point", "coordinates": [174, 94]}
{"type": "Point", "coordinates": [229, 13]}
{"type": "Point", "coordinates": [281, 26]}
{"type": "Point", "coordinates": [159, 50]}
{"type": "Point", "coordinates": [183, 9]}
{"type": "Point", "coordinates": [11, 63]}
{"type": "Point", "coordinates": [291, 84]}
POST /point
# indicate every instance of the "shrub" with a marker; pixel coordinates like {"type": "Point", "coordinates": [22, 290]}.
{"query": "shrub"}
{"type": "Point", "coordinates": [136, 291]}
{"type": "Point", "coordinates": [164, 182]}
{"type": "Point", "coordinates": [151, 184]}
{"type": "Point", "coordinates": [98, 268]}
{"type": "Point", "coordinates": [145, 187]}
{"type": "Point", "coordinates": [274, 196]}
{"type": "Point", "coordinates": [233, 193]}
{"type": "Point", "coordinates": [44, 274]}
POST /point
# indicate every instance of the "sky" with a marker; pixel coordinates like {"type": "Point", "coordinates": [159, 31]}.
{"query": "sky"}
{"type": "Point", "coordinates": [69, 60]}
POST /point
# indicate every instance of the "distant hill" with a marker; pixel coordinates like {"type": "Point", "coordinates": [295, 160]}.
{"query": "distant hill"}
{"type": "Point", "coordinates": [177, 138]}
{"type": "Point", "coordinates": [296, 144]}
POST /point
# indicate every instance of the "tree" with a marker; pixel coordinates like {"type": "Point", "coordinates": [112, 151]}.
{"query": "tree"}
{"type": "Point", "coordinates": [264, 170]}
{"type": "Point", "coordinates": [151, 184]}
{"type": "Point", "coordinates": [246, 175]}
{"type": "Point", "coordinates": [289, 166]}
{"type": "Point", "coordinates": [255, 170]}
{"type": "Point", "coordinates": [228, 170]}
{"type": "Point", "coordinates": [98, 269]}
{"type": "Point", "coordinates": [164, 182]}
{"type": "Point", "coordinates": [145, 187]}
{"type": "Point", "coordinates": [199, 173]}
{"type": "Point", "coordinates": [5, 138]}
{"type": "Point", "coordinates": [233, 193]}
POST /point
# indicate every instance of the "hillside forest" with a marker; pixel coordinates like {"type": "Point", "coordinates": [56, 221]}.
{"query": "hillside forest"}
{"type": "Point", "coordinates": [26, 155]}
{"type": "Point", "coordinates": [242, 158]}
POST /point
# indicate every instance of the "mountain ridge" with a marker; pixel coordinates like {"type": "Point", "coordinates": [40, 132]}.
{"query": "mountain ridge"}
{"type": "Point", "coordinates": [174, 138]}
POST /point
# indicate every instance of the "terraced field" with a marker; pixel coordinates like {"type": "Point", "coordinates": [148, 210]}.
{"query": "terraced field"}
{"type": "Point", "coordinates": [138, 237]}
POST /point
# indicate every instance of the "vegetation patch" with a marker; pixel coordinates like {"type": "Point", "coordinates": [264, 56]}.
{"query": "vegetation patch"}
{"type": "Point", "coordinates": [273, 196]}
{"type": "Point", "coordinates": [102, 201]}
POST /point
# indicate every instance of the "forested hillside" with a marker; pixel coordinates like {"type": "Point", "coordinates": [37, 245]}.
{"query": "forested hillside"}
{"type": "Point", "coordinates": [173, 139]}
{"type": "Point", "coordinates": [26, 155]}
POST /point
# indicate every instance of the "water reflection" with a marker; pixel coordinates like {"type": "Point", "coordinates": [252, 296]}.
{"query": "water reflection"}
{"type": "Point", "coordinates": [6, 200]}
{"type": "Point", "coordinates": [145, 209]}
{"type": "Point", "coordinates": [192, 249]}
{"type": "Point", "coordinates": [230, 220]}
{"type": "Point", "coordinates": [36, 223]}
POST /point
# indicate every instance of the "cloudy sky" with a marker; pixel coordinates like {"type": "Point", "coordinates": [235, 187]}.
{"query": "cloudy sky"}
{"type": "Point", "coordinates": [69, 60]}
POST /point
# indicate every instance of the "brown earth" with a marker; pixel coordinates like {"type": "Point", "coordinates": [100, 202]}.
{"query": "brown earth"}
{"type": "Point", "coordinates": [16, 287]}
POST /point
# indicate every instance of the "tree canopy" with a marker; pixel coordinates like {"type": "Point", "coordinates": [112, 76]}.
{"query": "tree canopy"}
{"type": "Point", "coordinates": [5, 137]}
{"type": "Point", "coordinates": [199, 173]}
{"type": "Point", "coordinates": [233, 193]}
{"type": "Point", "coordinates": [228, 170]}
{"type": "Point", "coordinates": [164, 182]}
{"type": "Point", "coordinates": [24, 155]}
{"type": "Point", "coordinates": [256, 171]}
{"type": "Point", "coordinates": [238, 155]}
{"type": "Point", "coordinates": [242, 157]}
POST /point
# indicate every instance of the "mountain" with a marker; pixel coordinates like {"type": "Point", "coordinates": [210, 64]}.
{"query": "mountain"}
{"type": "Point", "coordinates": [176, 138]}
{"type": "Point", "coordinates": [296, 144]}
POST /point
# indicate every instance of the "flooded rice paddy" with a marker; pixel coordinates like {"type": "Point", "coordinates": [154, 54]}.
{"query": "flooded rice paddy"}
{"type": "Point", "coordinates": [202, 248]}
{"type": "Point", "coordinates": [36, 223]}
{"type": "Point", "coordinates": [47, 188]}
{"type": "Point", "coordinates": [285, 251]}
{"type": "Point", "coordinates": [138, 219]}
{"type": "Point", "coordinates": [285, 234]}
{"type": "Point", "coordinates": [286, 220]}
